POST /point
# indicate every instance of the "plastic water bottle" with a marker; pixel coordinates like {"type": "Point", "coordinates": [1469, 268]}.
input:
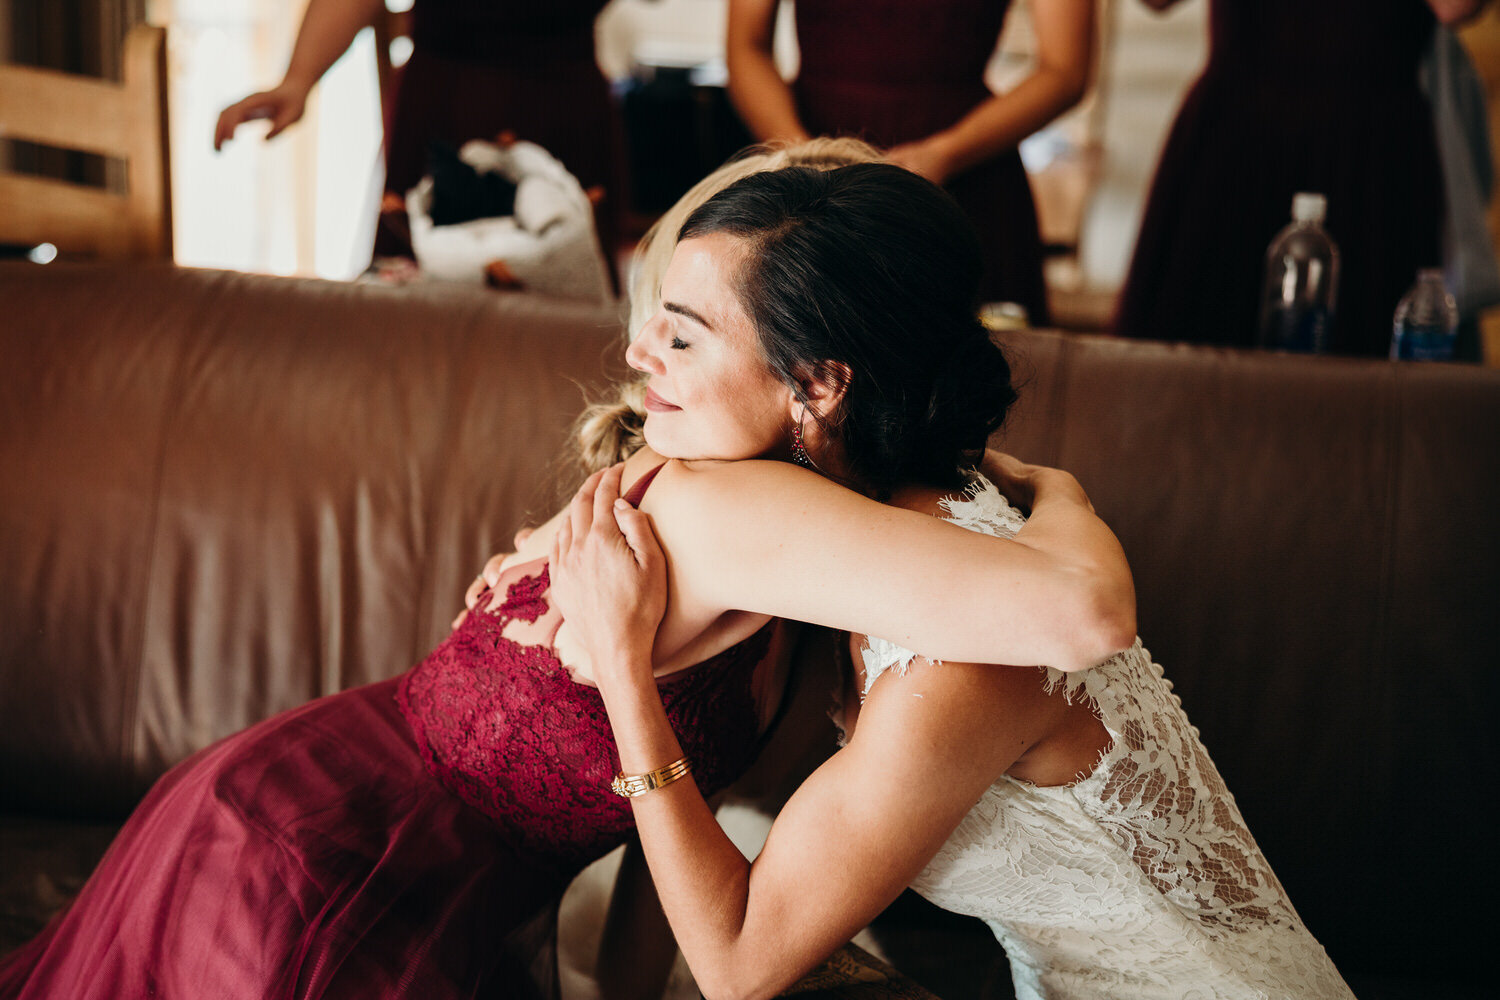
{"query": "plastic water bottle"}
{"type": "Point", "coordinates": [1426, 321]}
{"type": "Point", "coordinates": [1302, 276]}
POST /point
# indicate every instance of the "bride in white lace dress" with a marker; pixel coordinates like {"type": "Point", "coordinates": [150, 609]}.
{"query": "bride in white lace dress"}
{"type": "Point", "coordinates": [1078, 814]}
{"type": "Point", "coordinates": [1137, 879]}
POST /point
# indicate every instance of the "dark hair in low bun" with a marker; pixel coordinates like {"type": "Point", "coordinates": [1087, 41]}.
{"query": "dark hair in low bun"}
{"type": "Point", "coordinates": [969, 401]}
{"type": "Point", "coordinates": [871, 269]}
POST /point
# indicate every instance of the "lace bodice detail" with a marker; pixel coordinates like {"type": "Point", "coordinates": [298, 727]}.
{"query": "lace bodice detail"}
{"type": "Point", "coordinates": [1140, 880]}
{"type": "Point", "coordinates": [503, 725]}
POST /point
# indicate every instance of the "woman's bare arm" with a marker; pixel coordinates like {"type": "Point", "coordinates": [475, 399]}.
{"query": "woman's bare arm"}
{"type": "Point", "coordinates": [774, 539]}
{"type": "Point", "coordinates": [760, 95]}
{"type": "Point", "coordinates": [328, 26]}
{"type": "Point", "coordinates": [847, 842]}
{"type": "Point", "coordinates": [1066, 40]}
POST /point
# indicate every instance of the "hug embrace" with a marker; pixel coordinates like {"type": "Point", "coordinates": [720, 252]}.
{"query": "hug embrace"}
{"type": "Point", "coordinates": [817, 395]}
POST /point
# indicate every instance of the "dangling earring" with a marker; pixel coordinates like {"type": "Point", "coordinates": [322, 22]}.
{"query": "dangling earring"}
{"type": "Point", "coordinates": [799, 450]}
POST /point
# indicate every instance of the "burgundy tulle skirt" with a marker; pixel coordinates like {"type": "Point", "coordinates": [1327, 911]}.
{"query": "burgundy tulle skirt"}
{"type": "Point", "coordinates": [309, 856]}
{"type": "Point", "coordinates": [408, 839]}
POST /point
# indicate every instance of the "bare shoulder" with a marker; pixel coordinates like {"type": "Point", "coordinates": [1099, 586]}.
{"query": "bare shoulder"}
{"type": "Point", "coordinates": [981, 691]}
{"type": "Point", "coordinates": [998, 719]}
{"type": "Point", "coordinates": [970, 722]}
{"type": "Point", "coordinates": [677, 482]}
{"type": "Point", "coordinates": [637, 465]}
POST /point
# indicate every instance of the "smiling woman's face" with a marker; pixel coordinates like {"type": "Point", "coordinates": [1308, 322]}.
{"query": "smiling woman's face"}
{"type": "Point", "coordinates": [711, 393]}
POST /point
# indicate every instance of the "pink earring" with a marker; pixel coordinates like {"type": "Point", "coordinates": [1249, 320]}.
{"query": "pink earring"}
{"type": "Point", "coordinates": [799, 450]}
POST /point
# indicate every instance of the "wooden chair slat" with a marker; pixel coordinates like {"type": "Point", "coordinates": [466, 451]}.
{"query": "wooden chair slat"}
{"type": "Point", "coordinates": [126, 120]}
{"type": "Point", "coordinates": [80, 219]}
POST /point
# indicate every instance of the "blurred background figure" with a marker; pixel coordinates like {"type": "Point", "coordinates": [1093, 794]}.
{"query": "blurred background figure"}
{"type": "Point", "coordinates": [656, 74]}
{"type": "Point", "coordinates": [477, 68]}
{"type": "Point", "coordinates": [909, 76]}
{"type": "Point", "coordinates": [1319, 97]}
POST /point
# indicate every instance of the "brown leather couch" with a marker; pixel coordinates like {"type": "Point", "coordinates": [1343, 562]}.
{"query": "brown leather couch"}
{"type": "Point", "coordinates": [222, 495]}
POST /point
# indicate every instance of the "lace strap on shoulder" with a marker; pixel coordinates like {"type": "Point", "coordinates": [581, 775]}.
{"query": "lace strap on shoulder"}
{"type": "Point", "coordinates": [983, 508]}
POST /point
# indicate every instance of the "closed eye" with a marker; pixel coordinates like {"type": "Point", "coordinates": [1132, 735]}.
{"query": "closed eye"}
{"type": "Point", "coordinates": [678, 344]}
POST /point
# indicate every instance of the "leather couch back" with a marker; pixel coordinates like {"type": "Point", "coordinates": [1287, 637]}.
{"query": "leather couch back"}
{"type": "Point", "coordinates": [224, 495]}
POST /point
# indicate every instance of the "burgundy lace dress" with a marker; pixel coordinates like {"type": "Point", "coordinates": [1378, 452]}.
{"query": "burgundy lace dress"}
{"type": "Point", "coordinates": [410, 838]}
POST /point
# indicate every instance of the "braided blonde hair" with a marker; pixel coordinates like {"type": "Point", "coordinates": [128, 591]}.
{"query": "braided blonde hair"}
{"type": "Point", "coordinates": [610, 431]}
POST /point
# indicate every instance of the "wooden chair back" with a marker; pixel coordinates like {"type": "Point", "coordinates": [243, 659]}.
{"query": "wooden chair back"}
{"type": "Point", "coordinates": [125, 120]}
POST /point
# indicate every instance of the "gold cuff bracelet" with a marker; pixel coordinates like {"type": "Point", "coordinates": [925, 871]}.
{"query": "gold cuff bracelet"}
{"type": "Point", "coordinates": [630, 785]}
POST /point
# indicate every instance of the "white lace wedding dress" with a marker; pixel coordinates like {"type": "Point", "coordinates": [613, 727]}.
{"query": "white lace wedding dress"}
{"type": "Point", "coordinates": [1139, 881]}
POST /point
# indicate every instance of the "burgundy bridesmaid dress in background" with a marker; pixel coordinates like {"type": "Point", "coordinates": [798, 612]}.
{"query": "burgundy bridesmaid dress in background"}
{"type": "Point", "coordinates": [480, 67]}
{"type": "Point", "coordinates": [1296, 96]}
{"type": "Point", "coordinates": [893, 71]}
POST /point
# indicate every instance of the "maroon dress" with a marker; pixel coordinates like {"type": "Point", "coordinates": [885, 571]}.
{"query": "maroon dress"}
{"type": "Point", "coordinates": [1296, 96]}
{"type": "Point", "coordinates": [893, 71]}
{"type": "Point", "coordinates": [410, 838]}
{"type": "Point", "coordinates": [480, 67]}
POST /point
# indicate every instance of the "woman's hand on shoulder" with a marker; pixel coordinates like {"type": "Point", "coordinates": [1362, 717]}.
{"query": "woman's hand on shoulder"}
{"type": "Point", "coordinates": [1023, 483]}
{"type": "Point", "coordinates": [609, 576]}
{"type": "Point", "coordinates": [1061, 520]}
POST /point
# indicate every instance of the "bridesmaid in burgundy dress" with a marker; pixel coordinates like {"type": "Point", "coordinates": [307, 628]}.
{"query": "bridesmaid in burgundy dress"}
{"type": "Point", "coordinates": [409, 838]}
{"type": "Point", "coordinates": [1296, 96]}
{"type": "Point", "coordinates": [909, 75]}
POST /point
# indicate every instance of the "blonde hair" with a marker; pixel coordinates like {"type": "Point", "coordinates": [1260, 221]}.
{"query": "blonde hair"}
{"type": "Point", "coordinates": [610, 431]}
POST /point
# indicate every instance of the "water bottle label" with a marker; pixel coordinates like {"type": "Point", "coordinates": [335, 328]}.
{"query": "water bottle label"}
{"type": "Point", "coordinates": [1298, 328]}
{"type": "Point", "coordinates": [1416, 344]}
